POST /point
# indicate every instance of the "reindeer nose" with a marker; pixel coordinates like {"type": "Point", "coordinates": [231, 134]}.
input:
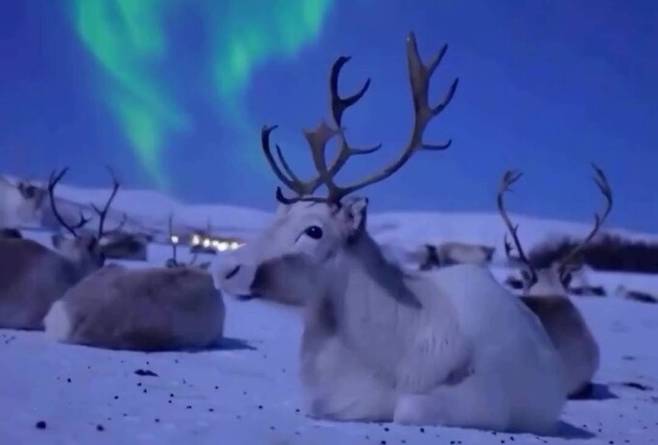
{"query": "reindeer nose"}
{"type": "Point", "coordinates": [233, 272]}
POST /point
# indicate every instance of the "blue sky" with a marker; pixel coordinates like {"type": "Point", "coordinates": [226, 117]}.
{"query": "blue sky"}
{"type": "Point", "coordinates": [546, 87]}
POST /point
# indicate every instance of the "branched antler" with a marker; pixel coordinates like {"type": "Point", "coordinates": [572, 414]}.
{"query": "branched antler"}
{"type": "Point", "coordinates": [599, 218]}
{"type": "Point", "coordinates": [102, 214]}
{"type": "Point", "coordinates": [419, 78]}
{"type": "Point", "coordinates": [52, 184]}
{"type": "Point", "coordinates": [509, 178]}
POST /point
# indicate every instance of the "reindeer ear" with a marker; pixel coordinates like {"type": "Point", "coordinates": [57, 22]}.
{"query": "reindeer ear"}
{"type": "Point", "coordinates": [355, 212]}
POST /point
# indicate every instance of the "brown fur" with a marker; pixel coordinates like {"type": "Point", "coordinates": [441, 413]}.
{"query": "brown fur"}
{"type": "Point", "coordinates": [572, 338]}
{"type": "Point", "coordinates": [26, 292]}
{"type": "Point", "coordinates": [144, 309]}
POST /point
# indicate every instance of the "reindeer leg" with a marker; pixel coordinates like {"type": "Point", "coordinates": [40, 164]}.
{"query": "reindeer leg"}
{"type": "Point", "coordinates": [337, 385]}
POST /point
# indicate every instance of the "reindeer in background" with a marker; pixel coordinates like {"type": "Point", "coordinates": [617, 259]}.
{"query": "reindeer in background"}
{"type": "Point", "coordinates": [449, 347]}
{"type": "Point", "coordinates": [545, 293]}
{"type": "Point", "coordinates": [174, 241]}
{"type": "Point", "coordinates": [20, 203]}
{"type": "Point", "coordinates": [32, 276]}
{"type": "Point", "coordinates": [151, 309]}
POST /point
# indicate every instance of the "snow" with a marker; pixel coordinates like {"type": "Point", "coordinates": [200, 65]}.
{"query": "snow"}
{"type": "Point", "coordinates": [246, 390]}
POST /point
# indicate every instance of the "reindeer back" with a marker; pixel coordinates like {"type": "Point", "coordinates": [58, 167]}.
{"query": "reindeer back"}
{"type": "Point", "coordinates": [32, 277]}
{"type": "Point", "coordinates": [143, 309]}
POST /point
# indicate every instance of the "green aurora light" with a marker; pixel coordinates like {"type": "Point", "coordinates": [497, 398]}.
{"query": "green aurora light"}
{"type": "Point", "coordinates": [128, 39]}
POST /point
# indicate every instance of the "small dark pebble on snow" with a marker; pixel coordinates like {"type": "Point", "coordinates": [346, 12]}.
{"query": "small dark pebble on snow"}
{"type": "Point", "coordinates": [100, 428]}
{"type": "Point", "coordinates": [146, 372]}
{"type": "Point", "coordinates": [260, 406]}
{"type": "Point", "coordinates": [41, 425]}
{"type": "Point", "coordinates": [68, 380]}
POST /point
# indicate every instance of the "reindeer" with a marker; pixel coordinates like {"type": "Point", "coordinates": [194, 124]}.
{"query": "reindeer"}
{"type": "Point", "coordinates": [451, 253]}
{"type": "Point", "coordinates": [173, 260]}
{"type": "Point", "coordinates": [449, 347]}
{"type": "Point", "coordinates": [151, 309]}
{"type": "Point", "coordinates": [32, 276]}
{"type": "Point", "coordinates": [19, 203]}
{"type": "Point", "coordinates": [545, 293]}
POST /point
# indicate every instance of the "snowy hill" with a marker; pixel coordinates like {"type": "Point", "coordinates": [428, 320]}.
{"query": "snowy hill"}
{"type": "Point", "coordinates": [246, 391]}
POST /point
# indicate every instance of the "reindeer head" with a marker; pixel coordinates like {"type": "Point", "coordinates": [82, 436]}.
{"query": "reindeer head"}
{"type": "Point", "coordinates": [310, 233]}
{"type": "Point", "coordinates": [83, 249]}
{"type": "Point", "coordinates": [553, 280]}
{"type": "Point", "coordinates": [33, 198]}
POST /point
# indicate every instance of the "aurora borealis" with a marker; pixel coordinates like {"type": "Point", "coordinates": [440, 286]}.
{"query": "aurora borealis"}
{"type": "Point", "coordinates": [129, 41]}
{"type": "Point", "coordinates": [173, 94]}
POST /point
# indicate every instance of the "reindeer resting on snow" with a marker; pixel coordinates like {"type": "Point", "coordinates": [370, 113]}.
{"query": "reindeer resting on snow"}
{"type": "Point", "coordinates": [19, 203]}
{"type": "Point", "coordinates": [545, 293]}
{"type": "Point", "coordinates": [448, 347]}
{"type": "Point", "coordinates": [149, 309]}
{"type": "Point", "coordinates": [32, 276]}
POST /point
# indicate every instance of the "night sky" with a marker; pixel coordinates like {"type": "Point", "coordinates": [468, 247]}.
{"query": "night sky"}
{"type": "Point", "coordinates": [173, 94]}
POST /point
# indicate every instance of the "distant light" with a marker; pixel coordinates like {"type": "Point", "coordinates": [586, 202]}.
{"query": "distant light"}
{"type": "Point", "coordinates": [215, 244]}
{"type": "Point", "coordinates": [175, 239]}
{"type": "Point", "coordinates": [196, 240]}
{"type": "Point", "coordinates": [206, 242]}
{"type": "Point", "coordinates": [235, 245]}
{"type": "Point", "coordinates": [222, 246]}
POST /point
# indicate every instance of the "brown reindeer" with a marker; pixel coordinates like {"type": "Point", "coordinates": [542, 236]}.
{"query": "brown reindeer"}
{"type": "Point", "coordinates": [32, 276]}
{"type": "Point", "coordinates": [159, 308]}
{"type": "Point", "coordinates": [450, 347]}
{"type": "Point", "coordinates": [545, 293]}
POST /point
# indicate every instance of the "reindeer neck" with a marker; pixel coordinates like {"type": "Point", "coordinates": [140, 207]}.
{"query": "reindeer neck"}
{"type": "Point", "coordinates": [367, 264]}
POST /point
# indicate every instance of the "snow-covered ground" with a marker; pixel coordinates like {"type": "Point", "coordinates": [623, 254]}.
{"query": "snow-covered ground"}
{"type": "Point", "coordinates": [246, 390]}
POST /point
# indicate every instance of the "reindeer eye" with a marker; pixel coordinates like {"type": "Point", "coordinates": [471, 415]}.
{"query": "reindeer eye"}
{"type": "Point", "coordinates": [314, 232]}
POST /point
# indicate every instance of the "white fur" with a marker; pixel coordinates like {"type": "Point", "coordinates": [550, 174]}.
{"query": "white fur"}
{"type": "Point", "coordinates": [515, 363]}
{"type": "Point", "coordinates": [15, 209]}
{"type": "Point", "coordinates": [381, 343]}
{"type": "Point", "coordinates": [57, 322]}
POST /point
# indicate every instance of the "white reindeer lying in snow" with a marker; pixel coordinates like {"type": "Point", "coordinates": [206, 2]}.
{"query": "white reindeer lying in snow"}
{"type": "Point", "coordinates": [545, 293]}
{"type": "Point", "coordinates": [32, 276]}
{"type": "Point", "coordinates": [161, 308]}
{"type": "Point", "coordinates": [449, 347]}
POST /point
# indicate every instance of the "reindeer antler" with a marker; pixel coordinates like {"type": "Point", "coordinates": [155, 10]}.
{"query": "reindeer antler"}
{"type": "Point", "coordinates": [419, 78]}
{"type": "Point", "coordinates": [52, 183]}
{"type": "Point", "coordinates": [509, 178]}
{"type": "Point", "coordinates": [601, 182]}
{"type": "Point", "coordinates": [102, 214]}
